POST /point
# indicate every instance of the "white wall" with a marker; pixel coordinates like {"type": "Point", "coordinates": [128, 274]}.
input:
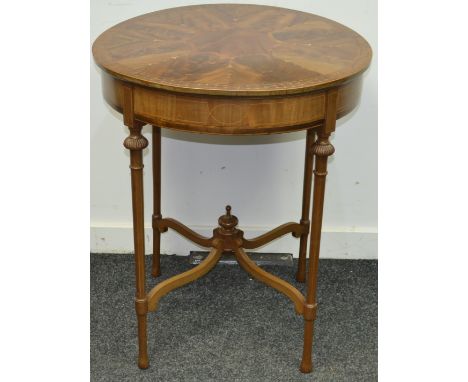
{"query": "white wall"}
{"type": "Point", "coordinates": [261, 177]}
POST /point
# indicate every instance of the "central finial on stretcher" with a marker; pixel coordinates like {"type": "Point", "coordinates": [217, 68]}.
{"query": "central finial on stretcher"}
{"type": "Point", "coordinates": [228, 222]}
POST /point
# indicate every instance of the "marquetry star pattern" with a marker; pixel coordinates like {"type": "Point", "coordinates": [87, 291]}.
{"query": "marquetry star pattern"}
{"type": "Point", "coordinates": [231, 47]}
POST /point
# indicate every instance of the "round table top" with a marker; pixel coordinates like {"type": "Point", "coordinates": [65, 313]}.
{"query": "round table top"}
{"type": "Point", "coordinates": [232, 49]}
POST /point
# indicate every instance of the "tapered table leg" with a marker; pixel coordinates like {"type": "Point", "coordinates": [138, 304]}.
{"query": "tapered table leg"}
{"type": "Point", "coordinates": [156, 265]}
{"type": "Point", "coordinates": [308, 164]}
{"type": "Point", "coordinates": [322, 148]}
{"type": "Point", "coordinates": [135, 142]}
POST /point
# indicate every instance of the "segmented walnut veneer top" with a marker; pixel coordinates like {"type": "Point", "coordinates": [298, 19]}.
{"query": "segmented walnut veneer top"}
{"type": "Point", "coordinates": [232, 49]}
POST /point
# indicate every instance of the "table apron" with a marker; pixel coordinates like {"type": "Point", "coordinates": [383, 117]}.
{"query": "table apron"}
{"type": "Point", "coordinates": [230, 115]}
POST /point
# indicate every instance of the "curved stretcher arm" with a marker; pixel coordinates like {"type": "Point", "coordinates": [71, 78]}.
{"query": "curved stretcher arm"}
{"type": "Point", "coordinates": [174, 282]}
{"type": "Point", "coordinates": [275, 282]}
{"type": "Point", "coordinates": [163, 224]}
{"type": "Point", "coordinates": [295, 228]}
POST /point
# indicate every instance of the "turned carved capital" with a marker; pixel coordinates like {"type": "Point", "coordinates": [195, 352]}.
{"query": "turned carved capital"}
{"type": "Point", "coordinates": [322, 147]}
{"type": "Point", "coordinates": [135, 141]}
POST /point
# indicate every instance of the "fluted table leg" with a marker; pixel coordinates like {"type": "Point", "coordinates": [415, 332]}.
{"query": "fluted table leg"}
{"type": "Point", "coordinates": [322, 148]}
{"type": "Point", "coordinates": [136, 142]}
{"type": "Point", "coordinates": [156, 266]}
{"type": "Point", "coordinates": [308, 164]}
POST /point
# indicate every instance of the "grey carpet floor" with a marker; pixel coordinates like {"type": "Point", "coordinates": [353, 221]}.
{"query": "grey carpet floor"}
{"type": "Point", "coordinates": [228, 327]}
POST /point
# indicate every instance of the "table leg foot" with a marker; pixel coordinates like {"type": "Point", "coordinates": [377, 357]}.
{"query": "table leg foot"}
{"type": "Point", "coordinates": [306, 363]}
{"type": "Point", "coordinates": [141, 311]}
{"type": "Point", "coordinates": [301, 273]}
{"type": "Point", "coordinates": [155, 273]}
{"type": "Point", "coordinates": [156, 267]}
{"type": "Point", "coordinates": [301, 263]}
{"type": "Point", "coordinates": [300, 278]}
{"type": "Point", "coordinates": [142, 343]}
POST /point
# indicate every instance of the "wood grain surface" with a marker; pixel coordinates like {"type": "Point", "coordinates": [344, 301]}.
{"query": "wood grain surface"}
{"type": "Point", "coordinates": [225, 115]}
{"type": "Point", "coordinates": [232, 49]}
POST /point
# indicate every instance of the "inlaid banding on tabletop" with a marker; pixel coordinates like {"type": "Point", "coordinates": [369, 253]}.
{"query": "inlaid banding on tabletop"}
{"type": "Point", "coordinates": [231, 49]}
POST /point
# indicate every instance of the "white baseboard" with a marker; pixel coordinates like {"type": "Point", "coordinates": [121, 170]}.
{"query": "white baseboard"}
{"type": "Point", "coordinates": [335, 243]}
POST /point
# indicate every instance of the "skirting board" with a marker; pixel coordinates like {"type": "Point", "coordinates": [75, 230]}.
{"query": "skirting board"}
{"type": "Point", "coordinates": [335, 244]}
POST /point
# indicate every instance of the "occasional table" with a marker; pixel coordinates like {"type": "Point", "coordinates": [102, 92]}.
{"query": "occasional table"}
{"type": "Point", "coordinates": [231, 69]}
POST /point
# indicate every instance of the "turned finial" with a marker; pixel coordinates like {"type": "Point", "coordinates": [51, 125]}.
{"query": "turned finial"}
{"type": "Point", "coordinates": [227, 221]}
